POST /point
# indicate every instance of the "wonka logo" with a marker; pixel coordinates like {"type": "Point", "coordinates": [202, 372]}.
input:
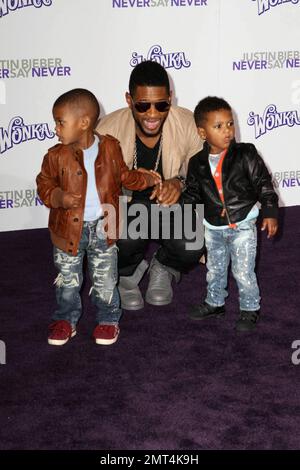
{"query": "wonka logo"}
{"type": "Point", "coordinates": [6, 6]}
{"type": "Point", "coordinates": [19, 132]}
{"type": "Point", "coordinates": [265, 5]}
{"type": "Point", "coordinates": [175, 60]}
{"type": "Point", "coordinates": [271, 119]}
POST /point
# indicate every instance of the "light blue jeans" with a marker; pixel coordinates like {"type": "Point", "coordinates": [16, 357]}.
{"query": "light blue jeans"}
{"type": "Point", "coordinates": [238, 246]}
{"type": "Point", "coordinates": [102, 265]}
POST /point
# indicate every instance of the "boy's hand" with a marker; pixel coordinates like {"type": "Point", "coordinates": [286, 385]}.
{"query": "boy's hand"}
{"type": "Point", "coordinates": [168, 193]}
{"type": "Point", "coordinates": [151, 176]}
{"type": "Point", "coordinates": [71, 200]}
{"type": "Point", "coordinates": [271, 225]}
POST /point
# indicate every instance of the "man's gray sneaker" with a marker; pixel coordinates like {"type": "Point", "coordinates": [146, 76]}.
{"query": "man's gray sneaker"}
{"type": "Point", "coordinates": [160, 290]}
{"type": "Point", "coordinates": [131, 296]}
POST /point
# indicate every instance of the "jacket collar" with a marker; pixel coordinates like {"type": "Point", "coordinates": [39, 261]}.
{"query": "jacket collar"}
{"type": "Point", "coordinates": [77, 150]}
{"type": "Point", "coordinates": [206, 146]}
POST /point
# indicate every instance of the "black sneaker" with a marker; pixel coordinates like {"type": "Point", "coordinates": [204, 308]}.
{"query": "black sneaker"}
{"type": "Point", "coordinates": [247, 320]}
{"type": "Point", "coordinates": [202, 311]}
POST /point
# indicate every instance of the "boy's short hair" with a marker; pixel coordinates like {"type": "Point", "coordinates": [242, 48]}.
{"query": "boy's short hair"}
{"type": "Point", "coordinates": [207, 105]}
{"type": "Point", "coordinates": [148, 73]}
{"type": "Point", "coordinates": [80, 97]}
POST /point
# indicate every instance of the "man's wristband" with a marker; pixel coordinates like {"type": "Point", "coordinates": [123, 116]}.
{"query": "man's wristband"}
{"type": "Point", "coordinates": [182, 181]}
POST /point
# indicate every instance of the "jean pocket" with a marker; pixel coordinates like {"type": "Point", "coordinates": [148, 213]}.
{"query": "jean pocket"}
{"type": "Point", "coordinates": [247, 225]}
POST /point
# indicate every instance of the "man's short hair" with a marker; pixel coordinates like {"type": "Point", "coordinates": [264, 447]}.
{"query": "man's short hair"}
{"type": "Point", "coordinates": [148, 73]}
{"type": "Point", "coordinates": [207, 105]}
{"type": "Point", "coordinates": [81, 98]}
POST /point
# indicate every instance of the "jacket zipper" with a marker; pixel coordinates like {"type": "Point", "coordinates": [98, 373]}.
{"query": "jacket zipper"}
{"type": "Point", "coordinates": [224, 210]}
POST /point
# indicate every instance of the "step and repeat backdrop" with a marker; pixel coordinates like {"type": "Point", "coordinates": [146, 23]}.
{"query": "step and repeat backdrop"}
{"type": "Point", "coordinates": [247, 51]}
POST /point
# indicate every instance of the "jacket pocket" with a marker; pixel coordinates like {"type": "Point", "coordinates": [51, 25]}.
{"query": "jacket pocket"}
{"type": "Point", "coordinates": [58, 221]}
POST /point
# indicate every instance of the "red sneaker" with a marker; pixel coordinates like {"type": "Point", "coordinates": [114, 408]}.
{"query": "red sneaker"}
{"type": "Point", "coordinates": [106, 334]}
{"type": "Point", "coordinates": [60, 332]}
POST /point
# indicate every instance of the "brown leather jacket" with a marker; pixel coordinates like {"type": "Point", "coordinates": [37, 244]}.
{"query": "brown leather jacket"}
{"type": "Point", "coordinates": [63, 170]}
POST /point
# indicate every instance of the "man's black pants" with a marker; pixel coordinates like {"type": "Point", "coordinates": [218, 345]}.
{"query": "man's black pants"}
{"type": "Point", "coordinates": [178, 230]}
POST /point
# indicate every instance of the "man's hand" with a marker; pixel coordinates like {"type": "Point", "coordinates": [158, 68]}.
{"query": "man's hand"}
{"type": "Point", "coordinates": [151, 176]}
{"type": "Point", "coordinates": [271, 225]}
{"type": "Point", "coordinates": [168, 192]}
{"type": "Point", "coordinates": [71, 200]}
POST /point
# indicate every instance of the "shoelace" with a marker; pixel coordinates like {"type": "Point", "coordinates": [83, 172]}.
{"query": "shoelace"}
{"type": "Point", "coordinates": [157, 275]}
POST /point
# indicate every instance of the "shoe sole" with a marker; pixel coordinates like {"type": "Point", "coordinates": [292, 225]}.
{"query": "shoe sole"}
{"type": "Point", "coordinates": [158, 302]}
{"type": "Point", "coordinates": [207, 317]}
{"type": "Point", "coordinates": [60, 342]}
{"type": "Point", "coordinates": [245, 330]}
{"type": "Point", "coordinates": [132, 307]}
{"type": "Point", "coordinates": [107, 342]}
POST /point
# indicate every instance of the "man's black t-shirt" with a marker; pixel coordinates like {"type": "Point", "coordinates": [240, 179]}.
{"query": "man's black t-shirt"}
{"type": "Point", "coordinates": [146, 158]}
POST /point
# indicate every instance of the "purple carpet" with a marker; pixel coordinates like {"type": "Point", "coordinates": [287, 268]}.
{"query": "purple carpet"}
{"type": "Point", "coordinates": [169, 382]}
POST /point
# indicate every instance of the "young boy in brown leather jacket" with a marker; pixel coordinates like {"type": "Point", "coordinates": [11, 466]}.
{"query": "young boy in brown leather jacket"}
{"type": "Point", "coordinates": [80, 180]}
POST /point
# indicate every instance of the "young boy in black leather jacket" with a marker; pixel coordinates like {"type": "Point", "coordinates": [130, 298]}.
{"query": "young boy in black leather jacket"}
{"type": "Point", "coordinates": [229, 178]}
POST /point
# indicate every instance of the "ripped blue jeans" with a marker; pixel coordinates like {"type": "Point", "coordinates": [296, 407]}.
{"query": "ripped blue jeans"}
{"type": "Point", "coordinates": [238, 246]}
{"type": "Point", "coordinates": [102, 266]}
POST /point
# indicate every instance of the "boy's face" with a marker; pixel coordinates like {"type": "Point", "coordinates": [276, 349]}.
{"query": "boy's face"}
{"type": "Point", "coordinates": [149, 123]}
{"type": "Point", "coordinates": [218, 130]}
{"type": "Point", "coordinates": [70, 125]}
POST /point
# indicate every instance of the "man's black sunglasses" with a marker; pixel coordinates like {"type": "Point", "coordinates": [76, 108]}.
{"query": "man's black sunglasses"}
{"type": "Point", "coordinates": [143, 106]}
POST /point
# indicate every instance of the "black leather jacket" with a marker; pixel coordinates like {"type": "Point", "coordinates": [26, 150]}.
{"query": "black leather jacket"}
{"type": "Point", "coordinates": [245, 180]}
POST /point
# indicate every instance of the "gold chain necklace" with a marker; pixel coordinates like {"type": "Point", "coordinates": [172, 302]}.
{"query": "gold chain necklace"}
{"type": "Point", "coordinates": [157, 158]}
